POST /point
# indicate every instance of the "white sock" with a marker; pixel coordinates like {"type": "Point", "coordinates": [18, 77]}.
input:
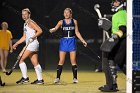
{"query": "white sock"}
{"type": "Point", "coordinates": [38, 71]}
{"type": "Point", "coordinates": [23, 69]}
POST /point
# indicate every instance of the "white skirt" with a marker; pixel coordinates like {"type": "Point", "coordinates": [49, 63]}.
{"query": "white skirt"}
{"type": "Point", "coordinates": [34, 46]}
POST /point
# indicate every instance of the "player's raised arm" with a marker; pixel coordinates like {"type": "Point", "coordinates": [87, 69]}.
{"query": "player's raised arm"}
{"type": "Point", "coordinates": [59, 24]}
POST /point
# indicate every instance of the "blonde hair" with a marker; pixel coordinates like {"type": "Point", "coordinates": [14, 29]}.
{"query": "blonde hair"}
{"type": "Point", "coordinates": [4, 24]}
{"type": "Point", "coordinates": [26, 9]}
{"type": "Point", "coordinates": [69, 9]}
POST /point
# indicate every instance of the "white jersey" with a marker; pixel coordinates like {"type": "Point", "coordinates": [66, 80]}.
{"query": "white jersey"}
{"type": "Point", "coordinates": [33, 46]}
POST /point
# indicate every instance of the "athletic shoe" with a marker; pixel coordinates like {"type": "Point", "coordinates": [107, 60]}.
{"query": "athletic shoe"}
{"type": "Point", "coordinates": [75, 80]}
{"type": "Point", "coordinates": [38, 82]}
{"type": "Point", "coordinates": [106, 88]}
{"type": "Point", "coordinates": [98, 70]}
{"type": "Point", "coordinates": [23, 80]}
{"type": "Point", "coordinates": [57, 81]}
{"type": "Point", "coordinates": [3, 84]}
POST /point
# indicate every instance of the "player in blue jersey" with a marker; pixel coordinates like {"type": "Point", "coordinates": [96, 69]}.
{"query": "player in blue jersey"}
{"type": "Point", "coordinates": [70, 30]}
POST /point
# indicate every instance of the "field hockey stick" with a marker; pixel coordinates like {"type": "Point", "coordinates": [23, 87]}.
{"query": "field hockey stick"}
{"type": "Point", "coordinates": [18, 59]}
{"type": "Point", "coordinates": [96, 8]}
{"type": "Point", "coordinates": [92, 51]}
{"type": "Point", "coordinates": [103, 22]}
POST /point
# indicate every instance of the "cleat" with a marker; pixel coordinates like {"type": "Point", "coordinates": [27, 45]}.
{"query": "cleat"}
{"type": "Point", "coordinates": [3, 84]}
{"type": "Point", "coordinates": [39, 82]}
{"type": "Point", "coordinates": [23, 80]}
{"type": "Point", "coordinates": [106, 88]}
{"type": "Point", "coordinates": [75, 80]}
{"type": "Point", "coordinates": [57, 81]}
{"type": "Point", "coordinates": [98, 70]}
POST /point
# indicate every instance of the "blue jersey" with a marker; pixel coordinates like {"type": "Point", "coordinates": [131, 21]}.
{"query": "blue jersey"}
{"type": "Point", "coordinates": [68, 42]}
{"type": "Point", "coordinates": [68, 30]}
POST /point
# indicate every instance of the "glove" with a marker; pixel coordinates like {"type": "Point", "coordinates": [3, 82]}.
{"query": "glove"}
{"type": "Point", "coordinates": [114, 36]}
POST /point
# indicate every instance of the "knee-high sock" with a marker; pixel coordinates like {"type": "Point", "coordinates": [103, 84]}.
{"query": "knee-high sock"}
{"type": "Point", "coordinates": [74, 70]}
{"type": "Point", "coordinates": [23, 69]}
{"type": "Point", "coordinates": [59, 71]}
{"type": "Point", "coordinates": [38, 71]}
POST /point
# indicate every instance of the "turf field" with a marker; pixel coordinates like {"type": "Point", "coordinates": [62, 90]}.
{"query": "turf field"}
{"type": "Point", "coordinates": [88, 83]}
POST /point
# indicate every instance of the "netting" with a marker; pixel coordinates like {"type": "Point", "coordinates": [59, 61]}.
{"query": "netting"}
{"type": "Point", "coordinates": [136, 34]}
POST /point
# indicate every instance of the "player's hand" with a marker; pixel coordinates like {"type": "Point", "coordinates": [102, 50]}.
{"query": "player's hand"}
{"type": "Point", "coordinates": [11, 50]}
{"type": "Point", "coordinates": [52, 30]}
{"type": "Point", "coordinates": [15, 46]}
{"type": "Point", "coordinates": [31, 40]}
{"type": "Point", "coordinates": [84, 43]}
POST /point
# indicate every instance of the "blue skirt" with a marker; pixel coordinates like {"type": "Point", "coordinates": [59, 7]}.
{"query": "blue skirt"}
{"type": "Point", "coordinates": [68, 44]}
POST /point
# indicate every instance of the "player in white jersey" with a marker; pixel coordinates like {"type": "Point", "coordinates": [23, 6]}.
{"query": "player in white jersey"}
{"type": "Point", "coordinates": [30, 34]}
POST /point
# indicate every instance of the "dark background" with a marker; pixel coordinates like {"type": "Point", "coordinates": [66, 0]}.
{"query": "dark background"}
{"type": "Point", "coordinates": [46, 13]}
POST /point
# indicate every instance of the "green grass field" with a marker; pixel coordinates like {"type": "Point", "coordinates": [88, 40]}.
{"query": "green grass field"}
{"type": "Point", "coordinates": [88, 83]}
